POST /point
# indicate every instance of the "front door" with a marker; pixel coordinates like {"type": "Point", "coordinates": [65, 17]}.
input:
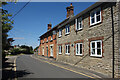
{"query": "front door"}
{"type": "Point", "coordinates": [47, 51]}
{"type": "Point", "coordinates": [51, 51]}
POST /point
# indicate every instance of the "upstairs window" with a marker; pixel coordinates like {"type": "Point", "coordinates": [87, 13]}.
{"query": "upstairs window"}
{"type": "Point", "coordinates": [95, 16]}
{"type": "Point", "coordinates": [43, 40]}
{"type": "Point", "coordinates": [52, 37]}
{"type": "Point", "coordinates": [60, 49]}
{"type": "Point", "coordinates": [47, 39]}
{"type": "Point", "coordinates": [67, 29]}
{"type": "Point", "coordinates": [78, 48]}
{"type": "Point", "coordinates": [96, 48]}
{"type": "Point", "coordinates": [60, 32]}
{"type": "Point", "coordinates": [67, 49]}
{"type": "Point", "coordinates": [79, 24]}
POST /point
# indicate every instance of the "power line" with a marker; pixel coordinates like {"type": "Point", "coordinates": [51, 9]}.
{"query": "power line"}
{"type": "Point", "coordinates": [20, 9]}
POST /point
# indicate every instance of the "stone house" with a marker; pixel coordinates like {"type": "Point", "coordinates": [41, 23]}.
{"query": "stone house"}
{"type": "Point", "coordinates": [91, 39]}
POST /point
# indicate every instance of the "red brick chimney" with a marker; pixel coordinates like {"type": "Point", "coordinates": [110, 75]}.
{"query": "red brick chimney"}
{"type": "Point", "coordinates": [70, 11]}
{"type": "Point", "coordinates": [49, 26]}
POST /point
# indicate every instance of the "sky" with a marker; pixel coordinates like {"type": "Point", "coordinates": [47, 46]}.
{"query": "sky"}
{"type": "Point", "coordinates": [31, 22]}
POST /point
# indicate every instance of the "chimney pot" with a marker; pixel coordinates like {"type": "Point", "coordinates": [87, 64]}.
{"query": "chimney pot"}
{"type": "Point", "coordinates": [70, 11]}
{"type": "Point", "coordinates": [49, 26]}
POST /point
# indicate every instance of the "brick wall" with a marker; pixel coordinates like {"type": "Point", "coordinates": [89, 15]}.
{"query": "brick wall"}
{"type": "Point", "coordinates": [45, 44]}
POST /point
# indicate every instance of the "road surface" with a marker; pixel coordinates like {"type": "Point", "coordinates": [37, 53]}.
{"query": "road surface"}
{"type": "Point", "coordinates": [28, 67]}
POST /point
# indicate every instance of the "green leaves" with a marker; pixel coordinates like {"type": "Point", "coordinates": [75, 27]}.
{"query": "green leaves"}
{"type": "Point", "coordinates": [6, 26]}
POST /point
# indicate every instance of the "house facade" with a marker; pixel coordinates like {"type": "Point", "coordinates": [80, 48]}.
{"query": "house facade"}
{"type": "Point", "coordinates": [48, 43]}
{"type": "Point", "coordinates": [91, 39]}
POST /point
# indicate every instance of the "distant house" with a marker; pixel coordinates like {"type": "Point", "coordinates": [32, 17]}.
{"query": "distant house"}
{"type": "Point", "coordinates": [87, 39]}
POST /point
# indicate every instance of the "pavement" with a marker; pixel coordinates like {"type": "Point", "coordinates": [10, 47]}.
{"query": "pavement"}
{"type": "Point", "coordinates": [8, 72]}
{"type": "Point", "coordinates": [32, 66]}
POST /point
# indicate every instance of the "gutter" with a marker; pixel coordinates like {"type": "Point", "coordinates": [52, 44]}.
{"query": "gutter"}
{"type": "Point", "coordinates": [112, 41]}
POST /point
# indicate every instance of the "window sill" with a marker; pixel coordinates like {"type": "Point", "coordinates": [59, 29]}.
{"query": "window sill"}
{"type": "Point", "coordinates": [60, 53]}
{"type": "Point", "coordinates": [95, 23]}
{"type": "Point", "coordinates": [67, 34]}
{"type": "Point", "coordinates": [79, 54]}
{"type": "Point", "coordinates": [78, 30]}
{"type": "Point", "coordinates": [59, 36]}
{"type": "Point", "coordinates": [51, 40]}
{"type": "Point", "coordinates": [67, 54]}
{"type": "Point", "coordinates": [97, 56]}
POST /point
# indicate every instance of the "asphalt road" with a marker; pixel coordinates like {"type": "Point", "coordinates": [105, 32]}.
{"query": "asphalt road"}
{"type": "Point", "coordinates": [28, 67]}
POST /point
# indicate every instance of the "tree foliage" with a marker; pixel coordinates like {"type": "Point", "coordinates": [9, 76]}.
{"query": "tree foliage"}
{"type": "Point", "coordinates": [22, 49]}
{"type": "Point", "coordinates": [36, 48]}
{"type": "Point", "coordinates": [6, 27]}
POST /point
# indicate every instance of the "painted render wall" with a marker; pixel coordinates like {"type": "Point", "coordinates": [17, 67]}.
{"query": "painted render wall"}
{"type": "Point", "coordinates": [102, 31]}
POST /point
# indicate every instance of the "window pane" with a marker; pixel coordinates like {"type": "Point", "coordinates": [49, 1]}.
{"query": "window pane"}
{"type": "Point", "coordinates": [98, 44]}
{"type": "Point", "coordinates": [80, 25]}
{"type": "Point", "coordinates": [92, 14]}
{"type": "Point", "coordinates": [98, 12]}
{"type": "Point", "coordinates": [77, 48]}
{"type": "Point", "coordinates": [68, 29]}
{"type": "Point", "coordinates": [93, 20]}
{"type": "Point", "coordinates": [98, 51]}
{"type": "Point", "coordinates": [68, 48]}
{"type": "Point", "coordinates": [77, 26]}
{"type": "Point", "coordinates": [93, 51]}
{"type": "Point", "coordinates": [98, 18]}
{"type": "Point", "coordinates": [93, 44]}
{"type": "Point", "coordinates": [80, 48]}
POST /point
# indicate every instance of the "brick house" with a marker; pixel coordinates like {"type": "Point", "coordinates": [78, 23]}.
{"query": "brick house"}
{"type": "Point", "coordinates": [87, 39]}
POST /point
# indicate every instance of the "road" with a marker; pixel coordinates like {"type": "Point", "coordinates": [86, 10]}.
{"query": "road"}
{"type": "Point", "coordinates": [28, 67]}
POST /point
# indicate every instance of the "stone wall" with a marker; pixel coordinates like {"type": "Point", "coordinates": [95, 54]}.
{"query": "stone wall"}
{"type": "Point", "coordinates": [104, 30]}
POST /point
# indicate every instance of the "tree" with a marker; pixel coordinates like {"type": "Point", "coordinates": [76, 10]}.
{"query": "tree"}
{"type": "Point", "coordinates": [36, 48]}
{"type": "Point", "coordinates": [6, 27]}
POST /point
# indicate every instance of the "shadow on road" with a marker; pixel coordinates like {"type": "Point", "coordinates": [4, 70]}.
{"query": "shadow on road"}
{"type": "Point", "coordinates": [8, 72]}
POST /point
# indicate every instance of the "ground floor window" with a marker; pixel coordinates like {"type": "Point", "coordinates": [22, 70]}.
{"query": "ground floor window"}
{"type": "Point", "coordinates": [60, 49]}
{"type": "Point", "coordinates": [96, 48]}
{"type": "Point", "coordinates": [43, 51]}
{"type": "Point", "coordinates": [67, 49]}
{"type": "Point", "coordinates": [78, 48]}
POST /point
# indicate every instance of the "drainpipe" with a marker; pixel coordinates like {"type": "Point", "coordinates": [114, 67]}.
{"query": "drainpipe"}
{"type": "Point", "coordinates": [112, 40]}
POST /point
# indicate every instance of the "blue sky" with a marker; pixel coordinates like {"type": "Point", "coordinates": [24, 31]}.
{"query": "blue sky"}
{"type": "Point", "coordinates": [32, 21]}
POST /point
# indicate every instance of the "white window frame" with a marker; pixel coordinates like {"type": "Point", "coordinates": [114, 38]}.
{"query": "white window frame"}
{"type": "Point", "coordinates": [95, 48]}
{"type": "Point", "coordinates": [43, 40]}
{"type": "Point", "coordinates": [79, 49]}
{"type": "Point", "coordinates": [95, 17]}
{"type": "Point", "coordinates": [51, 37]}
{"type": "Point", "coordinates": [43, 50]}
{"type": "Point", "coordinates": [79, 22]}
{"type": "Point", "coordinates": [47, 39]}
{"type": "Point", "coordinates": [66, 29]}
{"type": "Point", "coordinates": [60, 49]}
{"type": "Point", "coordinates": [60, 32]}
{"type": "Point", "coordinates": [67, 50]}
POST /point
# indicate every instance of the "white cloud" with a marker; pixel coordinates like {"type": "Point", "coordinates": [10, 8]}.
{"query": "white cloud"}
{"type": "Point", "coordinates": [18, 38]}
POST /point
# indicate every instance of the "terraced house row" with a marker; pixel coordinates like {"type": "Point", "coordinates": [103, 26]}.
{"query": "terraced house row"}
{"type": "Point", "coordinates": [90, 39]}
